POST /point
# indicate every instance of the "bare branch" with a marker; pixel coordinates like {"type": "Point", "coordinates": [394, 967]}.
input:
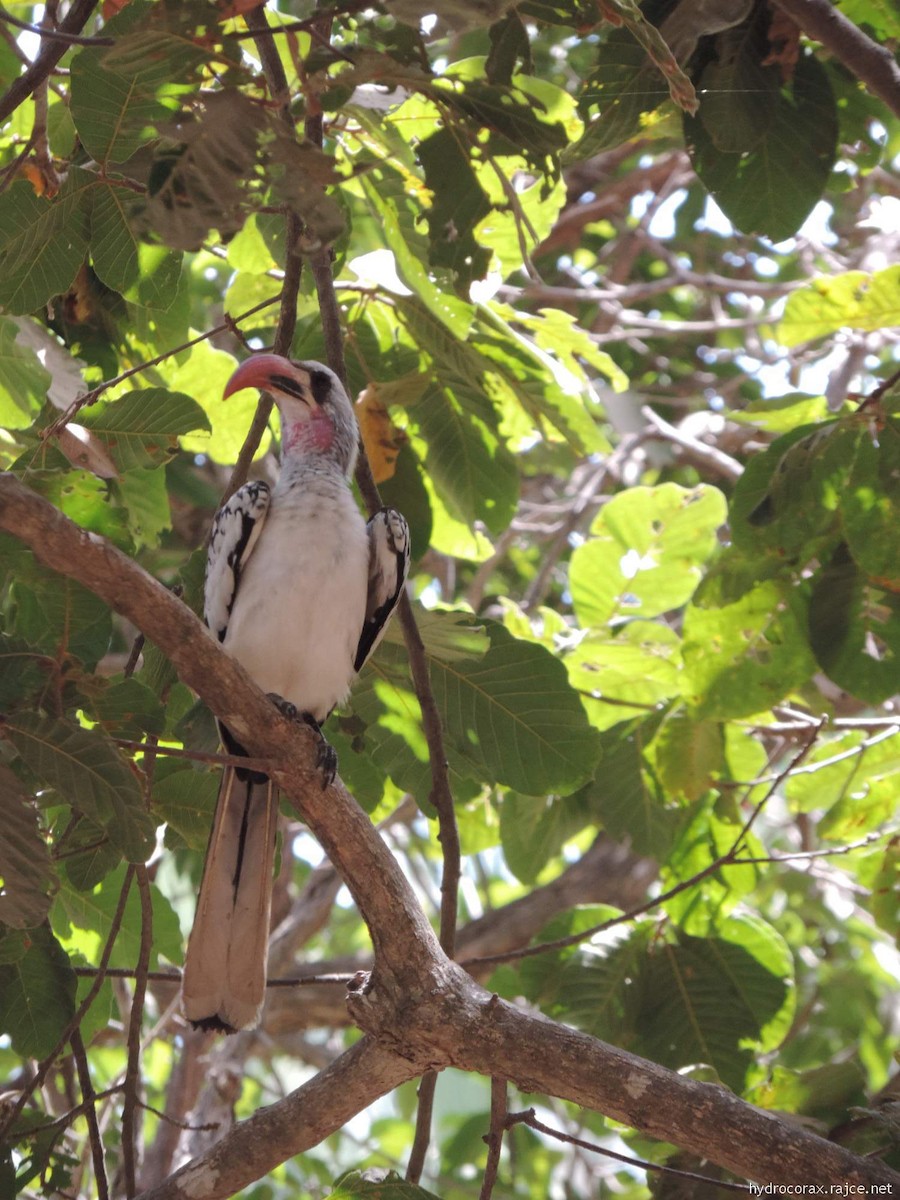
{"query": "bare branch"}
{"type": "Point", "coordinates": [874, 65]}
{"type": "Point", "coordinates": [494, 1138]}
{"type": "Point", "coordinates": [89, 1098]}
{"type": "Point", "coordinates": [133, 1070]}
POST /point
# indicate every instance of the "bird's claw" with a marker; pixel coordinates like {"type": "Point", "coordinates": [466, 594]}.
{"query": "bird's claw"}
{"type": "Point", "coordinates": [326, 755]}
{"type": "Point", "coordinates": [284, 706]}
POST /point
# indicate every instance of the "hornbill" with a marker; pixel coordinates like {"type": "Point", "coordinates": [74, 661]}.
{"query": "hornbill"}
{"type": "Point", "coordinates": [299, 589]}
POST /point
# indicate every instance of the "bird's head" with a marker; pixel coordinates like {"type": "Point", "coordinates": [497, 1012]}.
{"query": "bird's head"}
{"type": "Point", "coordinates": [316, 414]}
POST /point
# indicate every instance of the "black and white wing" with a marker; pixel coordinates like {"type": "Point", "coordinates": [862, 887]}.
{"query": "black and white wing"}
{"type": "Point", "coordinates": [235, 530]}
{"type": "Point", "coordinates": [388, 565]}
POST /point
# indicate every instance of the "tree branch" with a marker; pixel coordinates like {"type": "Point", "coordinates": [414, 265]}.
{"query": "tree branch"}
{"type": "Point", "coordinates": [420, 1009]}
{"type": "Point", "coordinates": [297, 1123]}
{"type": "Point", "coordinates": [872, 64]}
{"type": "Point", "coordinates": [50, 53]}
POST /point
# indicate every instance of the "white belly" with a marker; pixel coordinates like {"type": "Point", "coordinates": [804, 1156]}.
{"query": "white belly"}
{"type": "Point", "coordinates": [301, 602]}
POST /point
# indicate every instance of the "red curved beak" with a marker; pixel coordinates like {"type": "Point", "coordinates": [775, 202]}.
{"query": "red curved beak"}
{"type": "Point", "coordinates": [258, 372]}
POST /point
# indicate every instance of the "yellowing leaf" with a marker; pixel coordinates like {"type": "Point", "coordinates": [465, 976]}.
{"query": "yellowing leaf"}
{"type": "Point", "coordinates": [381, 437]}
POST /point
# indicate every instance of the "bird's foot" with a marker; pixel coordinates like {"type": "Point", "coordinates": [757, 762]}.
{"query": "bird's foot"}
{"type": "Point", "coordinates": [284, 706]}
{"type": "Point", "coordinates": [326, 755]}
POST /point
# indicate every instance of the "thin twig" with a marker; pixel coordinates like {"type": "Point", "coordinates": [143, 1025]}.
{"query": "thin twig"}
{"type": "Point", "coordinates": [90, 1111]}
{"type": "Point", "coordinates": [530, 1119]}
{"type": "Point", "coordinates": [41, 1073]}
{"type": "Point", "coordinates": [56, 35]}
{"type": "Point", "coordinates": [422, 1137]}
{"type": "Point", "coordinates": [95, 393]}
{"type": "Point", "coordinates": [723, 463]}
{"type": "Point", "coordinates": [10, 171]}
{"type": "Point", "coordinates": [729, 858]}
{"type": "Point", "coordinates": [218, 759]}
{"type": "Point", "coordinates": [175, 977]}
{"type": "Point", "coordinates": [133, 1069]}
{"type": "Point", "coordinates": [494, 1138]}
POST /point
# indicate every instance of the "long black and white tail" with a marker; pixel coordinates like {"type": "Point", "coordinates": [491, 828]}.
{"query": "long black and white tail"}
{"type": "Point", "coordinates": [224, 979]}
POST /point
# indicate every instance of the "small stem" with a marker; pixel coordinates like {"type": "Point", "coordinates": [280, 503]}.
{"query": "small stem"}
{"type": "Point", "coordinates": [494, 1138]}
{"type": "Point", "coordinates": [90, 1111]}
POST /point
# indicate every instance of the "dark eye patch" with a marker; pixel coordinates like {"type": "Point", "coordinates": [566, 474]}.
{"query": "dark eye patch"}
{"type": "Point", "coordinates": [321, 386]}
{"type": "Point", "coordinates": [284, 383]}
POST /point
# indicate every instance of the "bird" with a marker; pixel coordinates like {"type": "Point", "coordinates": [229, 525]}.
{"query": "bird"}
{"type": "Point", "coordinates": [299, 588]}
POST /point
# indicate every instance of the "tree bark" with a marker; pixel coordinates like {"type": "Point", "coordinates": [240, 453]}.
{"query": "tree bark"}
{"type": "Point", "coordinates": [419, 1009]}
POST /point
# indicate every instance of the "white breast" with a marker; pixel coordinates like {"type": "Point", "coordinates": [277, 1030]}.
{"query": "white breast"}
{"type": "Point", "coordinates": [301, 602]}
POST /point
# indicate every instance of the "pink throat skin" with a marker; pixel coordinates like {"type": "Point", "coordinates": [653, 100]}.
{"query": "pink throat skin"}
{"type": "Point", "coordinates": [312, 436]}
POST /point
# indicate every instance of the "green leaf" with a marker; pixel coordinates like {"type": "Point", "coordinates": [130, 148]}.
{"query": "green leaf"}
{"type": "Point", "coordinates": [781, 414]}
{"type": "Point", "coordinates": [533, 830]}
{"type": "Point", "coordinates": [128, 709]}
{"type": "Point", "coordinates": [854, 300]}
{"type": "Point", "coordinates": [114, 244]}
{"type": "Point", "coordinates": [708, 831]}
{"type": "Point", "coordinates": [85, 768]}
{"type": "Point", "coordinates": [142, 429]}
{"type": "Point", "coordinates": [467, 460]}
{"type": "Point", "coordinates": [359, 1185]}
{"type": "Point", "coordinates": [37, 996]}
{"type": "Point", "coordinates": [688, 755]}
{"type": "Point", "coordinates": [23, 671]}
{"type": "Point", "coordinates": [61, 617]}
{"type": "Point", "coordinates": [119, 96]}
{"type": "Point", "coordinates": [739, 96]}
{"type": "Point", "coordinates": [645, 552]}
{"type": "Point", "coordinates": [24, 383]}
{"type": "Point", "coordinates": [744, 657]}
{"type": "Point", "coordinates": [202, 373]}
{"type": "Point", "coordinates": [870, 501]}
{"type": "Point", "coordinates": [531, 116]}
{"type": "Point", "coordinates": [852, 778]}
{"type": "Point", "coordinates": [458, 204]}
{"type": "Point", "coordinates": [621, 90]}
{"type": "Point", "coordinates": [185, 799]}
{"type": "Point", "coordinates": [625, 672]}
{"type": "Point", "coordinates": [83, 922]}
{"type": "Point", "coordinates": [717, 1000]}
{"type": "Point", "coordinates": [772, 186]}
{"type": "Point", "coordinates": [521, 370]}
{"type": "Point", "coordinates": [42, 242]}
{"type": "Point", "coordinates": [26, 874]}
{"type": "Point", "coordinates": [386, 194]}
{"type": "Point", "coordinates": [626, 797]}
{"type": "Point", "coordinates": [854, 629]}
{"type": "Point", "coordinates": [785, 501]}
{"type": "Point", "coordinates": [146, 501]}
{"type": "Point", "coordinates": [515, 714]}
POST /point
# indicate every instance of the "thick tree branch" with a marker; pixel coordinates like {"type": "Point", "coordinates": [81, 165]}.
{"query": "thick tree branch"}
{"type": "Point", "coordinates": [277, 1133]}
{"type": "Point", "coordinates": [420, 1009]}
{"type": "Point", "coordinates": [874, 65]}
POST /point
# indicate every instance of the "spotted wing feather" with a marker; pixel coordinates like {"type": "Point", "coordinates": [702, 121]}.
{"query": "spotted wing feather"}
{"type": "Point", "coordinates": [236, 528]}
{"type": "Point", "coordinates": [388, 567]}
